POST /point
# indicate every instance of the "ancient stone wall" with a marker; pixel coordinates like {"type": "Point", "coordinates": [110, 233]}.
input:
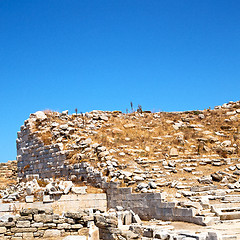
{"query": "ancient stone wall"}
{"type": "Point", "coordinates": [151, 205]}
{"type": "Point", "coordinates": [35, 159]}
{"type": "Point", "coordinates": [38, 223]}
{"type": "Point", "coordinates": [71, 202]}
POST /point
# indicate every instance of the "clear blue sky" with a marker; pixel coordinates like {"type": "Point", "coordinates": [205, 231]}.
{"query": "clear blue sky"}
{"type": "Point", "coordinates": [167, 55]}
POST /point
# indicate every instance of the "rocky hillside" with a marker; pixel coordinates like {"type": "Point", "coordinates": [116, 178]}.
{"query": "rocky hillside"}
{"type": "Point", "coordinates": [168, 151]}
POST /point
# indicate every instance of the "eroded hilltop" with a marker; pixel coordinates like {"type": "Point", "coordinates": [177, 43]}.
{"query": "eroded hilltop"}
{"type": "Point", "coordinates": [158, 150]}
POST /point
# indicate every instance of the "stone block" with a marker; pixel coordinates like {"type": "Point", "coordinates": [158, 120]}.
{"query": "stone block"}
{"type": "Point", "coordinates": [214, 236]}
{"type": "Point", "coordinates": [20, 230]}
{"type": "Point", "coordinates": [43, 218]}
{"type": "Point", "coordinates": [185, 212]}
{"type": "Point", "coordinates": [3, 230]}
{"type": "Point", "coordinates": [23, 224]}
{"type": "Point", "coordinates": [77, 226]}
{"type": "Point", "coordinates": [39, 233]}
{"type": "Point", "coordinates": [134, 197]}
{"type": "Point", "coordinates": [37, 224]}
{"type": "Point", "coordinates": [64, 226]}
{"type": "Point", "coordinates": [52, 233]}
{"type": "Point", "coordinates": [27, 235]}
{"type": "Point", "coordinates": [230, 215]}
{"type": "Point", "coordinates": [168, 212]}
{"type": "Point", "coordinates": [79, 190]}
{"type": "Point", "coordinates": [29, 199]}
{"type": "Point", "coordinates": [127, 218]}
{"type": "Point", "coordinates": [5, 207]}
{"type": "Point", "coordinates": [18, 235]}
{"type": "Point", "coordinates": [49, 225]}
{"type": "Point", "coordinates": [47, 199]}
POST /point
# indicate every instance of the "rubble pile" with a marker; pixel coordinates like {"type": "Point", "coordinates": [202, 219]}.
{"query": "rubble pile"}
{"type": "Point", "coordinates": [39, 190]}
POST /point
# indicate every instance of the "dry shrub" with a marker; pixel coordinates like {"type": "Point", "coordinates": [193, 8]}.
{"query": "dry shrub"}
{"type": "Point", "coordinates": [222, 153]}
{"type": "Point", "coordinates": [46, 137]}
{"type": "Point", "coordinates": [42, 183]}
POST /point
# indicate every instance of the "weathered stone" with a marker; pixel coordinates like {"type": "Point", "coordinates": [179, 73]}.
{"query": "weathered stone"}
{"type": "Point", "coordinates": [173, 152]}
{"type": "Point", "coordinates": [29, 199]}
{"type": "Point", "coordinates": [27, 235]}
{"type": "Point", "coordinates": [27, 211]}
{"type": "Point", "coordinates": [152, 185]}
{"type": "Point", "coordinates": [3, 230]}
{"type": "Point", "coordinates": [23, 224]}
{"type": "Point", "coordinates": [75, 215]}
{"type": "Point", "coordinates": [47, 199]}
{"type": "Point", "coordinates": [40, 115]}
{"type": "Point", "coordinates": [64, 226]}
{"type": "Point", "coordinates": [52, 233]}
{"type": "Point", "coordinates": [20, 230]}
{"type": "Point", "coordinates": [43, 218]}
{"type": "Point", "coordinates": [130, 125]}
{"type": "Point", "coordinates": [79, 190]}
{"type": "Point", "coordinates": [76, 226]}
{"type": "Point", "coordinates": [216, 177]}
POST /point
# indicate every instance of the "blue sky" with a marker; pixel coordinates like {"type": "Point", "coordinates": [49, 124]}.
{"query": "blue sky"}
{"type": "Point", "coordinates": [164, 55]}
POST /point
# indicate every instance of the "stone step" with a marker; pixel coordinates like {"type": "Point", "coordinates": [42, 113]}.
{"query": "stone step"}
{"type": "Point", "coordinates": [229, 215]}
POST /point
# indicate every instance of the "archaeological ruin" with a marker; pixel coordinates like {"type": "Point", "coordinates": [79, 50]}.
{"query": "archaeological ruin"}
{"type": "Point", "coordinates": [113, 175]}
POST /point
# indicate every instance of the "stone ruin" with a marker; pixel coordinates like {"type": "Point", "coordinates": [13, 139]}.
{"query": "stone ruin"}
{"type": "Point", "coordinates": [90, 166]}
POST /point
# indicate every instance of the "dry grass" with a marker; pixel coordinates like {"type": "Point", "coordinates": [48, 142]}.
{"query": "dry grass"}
{"type": "Point", "coordinates": [46, 137]}
{"type": "Point", "coordinates": [151, 132]}
{"type": "Point", "coordinates": [152, 136]}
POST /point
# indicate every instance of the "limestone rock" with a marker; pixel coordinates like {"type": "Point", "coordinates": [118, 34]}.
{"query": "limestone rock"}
{"type": "Point", "coordinates": [52, 233]}
{"type": "Point", "coordinates": [173, 152]}
{"type": "Point", "coordinates": [40, 115]}
{"type": "Point", "coordinates": [129, 125]}
{"type": "Point", "coordinates": [79, 190]}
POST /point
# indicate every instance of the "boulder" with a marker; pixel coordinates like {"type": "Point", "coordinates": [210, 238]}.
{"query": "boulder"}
{"type": "Point", "coordinates": [142, 185]}
{"type": "Point", "coordinates": [226, 143]}
{"type": "Point", "coordinates": [152, 185]}
{"type": "Point", "coordinates": [40, 115]}
{"type": "Point", "coordinates": [107, 221]}
{"type": "Point", "coordinates": [216, 177]}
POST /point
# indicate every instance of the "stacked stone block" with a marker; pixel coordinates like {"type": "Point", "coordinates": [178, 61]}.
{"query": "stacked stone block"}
{"type": "Point", "coordinates": [151, 205]}
{"type": "Point", "coordinates": [35, 159]}
{"type": "Point", "coordinates": [38, 223]}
